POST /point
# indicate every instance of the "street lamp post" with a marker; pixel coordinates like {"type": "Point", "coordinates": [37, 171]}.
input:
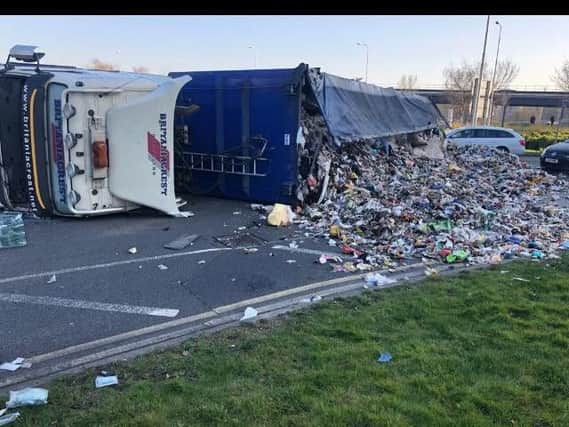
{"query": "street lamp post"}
{"type": "Point", "coordinates": [254, 56]}
{"type": "Point", "coordinates": [477, 94]}
{"type": "Point", "coordinates": [367, 55]}
{"type": "Point", "coordinates": [494, 74]}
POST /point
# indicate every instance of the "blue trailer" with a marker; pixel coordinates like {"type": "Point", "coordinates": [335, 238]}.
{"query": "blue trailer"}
{"type": "Point", "coordinates": [241, 143]}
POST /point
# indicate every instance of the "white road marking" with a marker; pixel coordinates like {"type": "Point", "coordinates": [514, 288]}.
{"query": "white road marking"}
{"type": "Point", "coordinates": [305, 251]}
{"type": "Point", "coordinates": [108, 264]}
{"type": "Point", "coordinates": [201, 316]}
{"type": "Point", "coordinates": [89, 305]}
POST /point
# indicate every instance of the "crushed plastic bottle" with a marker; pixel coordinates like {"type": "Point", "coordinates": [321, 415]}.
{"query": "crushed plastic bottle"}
{"type": "Point", "coordinates": [12, 233]}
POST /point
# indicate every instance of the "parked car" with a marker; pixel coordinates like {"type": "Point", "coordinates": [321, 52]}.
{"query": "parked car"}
{"type": "Point", "coordinates": [555, 158]}
{"type": "Point", "coordinates": [500, 138]}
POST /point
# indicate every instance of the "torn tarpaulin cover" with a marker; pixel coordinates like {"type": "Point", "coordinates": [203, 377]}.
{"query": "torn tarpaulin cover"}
{"type": "Point", "coordinates": [354, 110]}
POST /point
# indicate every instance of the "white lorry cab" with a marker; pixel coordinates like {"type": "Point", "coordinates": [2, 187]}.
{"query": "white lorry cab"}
{"type": "Point", "coordinates": [78, 142]}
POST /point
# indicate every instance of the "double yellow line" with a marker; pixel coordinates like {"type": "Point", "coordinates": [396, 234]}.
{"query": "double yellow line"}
{"type": "Point", "coordinates": [33, 144]}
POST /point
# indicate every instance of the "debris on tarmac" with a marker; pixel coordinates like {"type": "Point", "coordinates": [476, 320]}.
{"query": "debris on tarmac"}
{"type": "Point", "coordinates": [291, 261]}
{"type": "Point", "coordinates": [250, 250]}
{"type": "Point", "coordinates": [475, 205]}
{"type": "Point", "coordinates": [376, 279]}
{"type": "Point", "coordinates": [250, 313]}
{"type": "Point", "coordinates": [313, 298]}
{"type": "Point", "coordinates": [201, 261]}
{"type": "Point", "coordinates": [15, 364]}
{"type": "Point", "coordinates": [182, 242]}
{"type": "Point", "coordinates": [162, 267]}
{"type": "Point", "coordinates": [29, 396]}
{"type": "Point", "coordinates": [132, 250]}
{"type": "Point", "coordinates": [52, 279]}
{"type": "Point", "coordinates": [12, 233]}
{"type": "Point", "coordinates": [281, 215]}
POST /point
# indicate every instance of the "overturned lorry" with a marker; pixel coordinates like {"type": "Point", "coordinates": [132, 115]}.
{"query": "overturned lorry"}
{"type": "Point", "coordinates": [80, 142]}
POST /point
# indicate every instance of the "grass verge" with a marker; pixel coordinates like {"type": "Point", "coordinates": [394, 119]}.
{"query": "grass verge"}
{"type": "Point", "coordinates": [476, 349]}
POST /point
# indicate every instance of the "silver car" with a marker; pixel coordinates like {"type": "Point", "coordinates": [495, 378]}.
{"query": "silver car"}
{"type": "Point", "coordinates": [500, 138]}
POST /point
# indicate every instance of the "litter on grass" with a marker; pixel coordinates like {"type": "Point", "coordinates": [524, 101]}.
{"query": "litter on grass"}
{"type": "Point", "coordinates": [384, 358]}
{"type": "Point", "coordinates": [8, 418]}
{"type": "Point", "coordinates": [29, 396]}
{"type": "Point", "coordinates": [106, 380]}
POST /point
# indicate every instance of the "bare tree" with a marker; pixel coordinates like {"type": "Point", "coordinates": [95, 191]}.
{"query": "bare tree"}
{"type": "Point", "coordinates": [97, 64]}
{"type": "Point", "coordinates": [407, 81]}
{"type": "Point", "coordinates": [561, 76]}
{"type": "Point", "coordinates": [140, 69]}
{"type": "Point", "coordinates": [506, 73]}
{"type": "Point", "coordinates": [461, 79]}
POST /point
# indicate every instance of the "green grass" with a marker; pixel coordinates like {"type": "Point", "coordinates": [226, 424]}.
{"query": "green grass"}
{"type": "Point", "coordinates": [476, 349]}
{"type": "Point", "coordinates": [540, 136]}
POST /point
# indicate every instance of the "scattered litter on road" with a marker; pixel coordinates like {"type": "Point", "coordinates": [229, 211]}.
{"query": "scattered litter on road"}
{"type": "Point", "coordinates": [519, 279]}
{"type": "Point", "coordinates": [15, 365]}
{"type": "Point", "coordinates": [250, 250]}
{"type": "Point", "coordinates": [162, 267]}
{"type": "Point", "coordinates": [182, 242]}
{"type": "Point", "coordinates": [249, 313]}
{"type": "Point", "coordinates": [384, 358]}
{"type": "Point", "coordinates": [8, 418]}
{"type": "Point", "coordinates": [237, 213]}
{"type": "Point", "coordinates": [12, 233]}
{"type": "Point", "coordinates": [52, 279]}
{"type": "Point", "coordinates": [106, 380]}
{"type": "Point", "coordinates": [377, 279]}
{"type": "Point", "coordinates": [281, 215]}
{"type": "Point", "coordinates": [9, 366]}
{"type": "Point", "coordinates": [293, 245]}
{"type": "Point", "coordinates": [132, 250]}
{"type": "Point", "coordinates": [291, 261]}
{"type": "Point", "coordinates": [29, 396]}
{"type": "Point", "coordinates": [323, 259]}
{"type": "Point", "coordinates": [430, 271]}
{"type": "Point", "coordinates": [201, 261]}
{"type": "Point", "coordinates": [474, 205]}
{"type": "Point", "coordinates": [331, 242]}
{"type": "Point", "coordinates": [313, 298]}
{"type": "Point", "coordinates": [242, 228]}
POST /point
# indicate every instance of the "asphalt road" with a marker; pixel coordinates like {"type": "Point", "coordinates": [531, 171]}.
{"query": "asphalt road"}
{"type": "Point", "coordinates": [532, 161]}
{"type": "Point", "coordinates": [101, 289]}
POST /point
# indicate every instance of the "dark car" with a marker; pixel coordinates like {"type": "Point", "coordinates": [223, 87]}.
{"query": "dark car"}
{"type": "Point", "coordinates": [555, 158]}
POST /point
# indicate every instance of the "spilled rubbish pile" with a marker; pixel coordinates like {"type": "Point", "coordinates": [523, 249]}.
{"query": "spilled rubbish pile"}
{"type": "Point", "coordinates": [473, 204]}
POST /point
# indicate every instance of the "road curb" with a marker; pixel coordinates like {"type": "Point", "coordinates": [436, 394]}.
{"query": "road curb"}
{"type": "Point", "coordinates": [135, 343]}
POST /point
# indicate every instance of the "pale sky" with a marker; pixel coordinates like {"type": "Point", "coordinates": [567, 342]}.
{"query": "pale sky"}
{"type": "Point", "coordinates": [421, 45]}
